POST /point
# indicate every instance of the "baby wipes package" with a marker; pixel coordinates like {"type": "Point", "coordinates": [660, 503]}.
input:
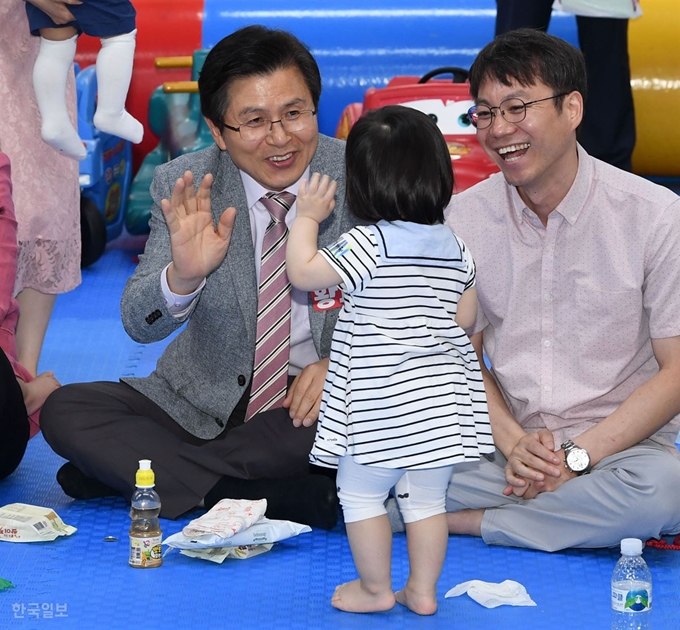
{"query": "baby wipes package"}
{"type": "Point", "coordinates": [20, 522]}
{"type": "Point", "coordinates": [233, 528]}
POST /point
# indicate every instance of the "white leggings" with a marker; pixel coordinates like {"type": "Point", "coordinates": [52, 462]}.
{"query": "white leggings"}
{"type": "Point", "coordinates": [362, 490]}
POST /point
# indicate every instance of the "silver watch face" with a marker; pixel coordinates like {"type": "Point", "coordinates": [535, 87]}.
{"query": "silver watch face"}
{"type": "Point", "coordinates": [578, 459]}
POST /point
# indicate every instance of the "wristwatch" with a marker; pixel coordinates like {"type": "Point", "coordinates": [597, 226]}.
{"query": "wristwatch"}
{"type": "Point", "coordinates": [576, 458]}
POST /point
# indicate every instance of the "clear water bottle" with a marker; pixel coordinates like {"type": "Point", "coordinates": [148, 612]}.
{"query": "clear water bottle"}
{"type": "Point", "coordinates": [145, 530]}
{"type": "Point", "coordinates": [631, 588]}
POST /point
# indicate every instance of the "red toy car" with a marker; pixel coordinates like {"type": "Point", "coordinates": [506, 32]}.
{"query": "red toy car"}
{"type": "Point", "coordinates": [447, 103]}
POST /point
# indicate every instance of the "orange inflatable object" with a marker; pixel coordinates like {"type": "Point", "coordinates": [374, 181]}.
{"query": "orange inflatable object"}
{"type": "Point", "coordinates": [447, 104]}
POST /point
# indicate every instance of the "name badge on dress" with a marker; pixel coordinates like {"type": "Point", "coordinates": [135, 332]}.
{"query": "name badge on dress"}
{"type": "Point", "coordinates": [326, 299]}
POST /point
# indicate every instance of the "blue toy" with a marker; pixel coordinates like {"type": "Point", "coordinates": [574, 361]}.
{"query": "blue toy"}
{"type": "Point", "coordinates": [105, 174]}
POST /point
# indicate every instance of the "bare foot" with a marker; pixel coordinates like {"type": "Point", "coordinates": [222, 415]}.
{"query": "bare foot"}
{"type": "Point", "coordinates": [417, 602]}
{"type": "Point", "coordinates": [468, 522]}
{"type": "Point", "coordinates": [36, 391]}
{"type": "Point", "coordinates": [352, 597]}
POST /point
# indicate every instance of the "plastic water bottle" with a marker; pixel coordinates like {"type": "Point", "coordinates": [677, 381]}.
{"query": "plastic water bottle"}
{"type": "Point", "coordinates": [631, 588]}
{"type": "Point", "coordinates": [145, 530]}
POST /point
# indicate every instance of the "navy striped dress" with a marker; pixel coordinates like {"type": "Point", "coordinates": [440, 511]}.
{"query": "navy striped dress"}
{"type": "Point", "coordinates": [404, 388]}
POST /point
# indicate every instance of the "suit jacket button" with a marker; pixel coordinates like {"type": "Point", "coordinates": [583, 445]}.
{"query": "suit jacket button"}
{"type": "Point", "coordinates": [241, 380]}
{"type": "Point", "coordinates": [152, 317]}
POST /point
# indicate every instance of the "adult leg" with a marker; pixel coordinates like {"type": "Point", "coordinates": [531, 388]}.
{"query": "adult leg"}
{"type": "Point", "coordinates": [267, 457]}
{"type": "Point", "coordinates": [474, 488]}
{"type": "Point", "coordinates": [514, 14]}
{"type": "Point", "coordinates": [362, 491]}
{"type": "Point", "coordinates": [103, 429]}
{"type": "Point", "coordinates": [34, 317]}
{"type": "Point", "coordinates": [478, 485]}
{"type": "Point", "coordinates": [629, 494]}
{"type": "Point", "coordinates": [608, 128]}
{"type": "Point", "coordinates": [421, 495]}
{"type": "Point", "coordinates": [13, 420]}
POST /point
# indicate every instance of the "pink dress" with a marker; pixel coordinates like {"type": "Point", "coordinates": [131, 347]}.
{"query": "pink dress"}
{"type": "Point", "coordinates": [46, 189]}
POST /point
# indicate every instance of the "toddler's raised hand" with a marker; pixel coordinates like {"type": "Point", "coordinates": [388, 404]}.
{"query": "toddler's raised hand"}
{"type": "Point", "coordinates": [316, 197]}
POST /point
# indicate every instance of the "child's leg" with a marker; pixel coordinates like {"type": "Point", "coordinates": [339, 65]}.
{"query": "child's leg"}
{"type": "Point", "coordinates": [426, 541]}
{"type": "Point", "coordinates": [114, 73]}
{"type": "Point", "coordinates": [421, 495]}
{"type": "Point", "coordinates": [362, 491]}
{"type": "Point", "coordinates": [371, 544]}
{"type": "Point", "coordinates": [50, 75]}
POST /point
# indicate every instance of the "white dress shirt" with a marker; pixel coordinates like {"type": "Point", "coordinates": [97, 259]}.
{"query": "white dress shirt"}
{"type": "Point", "coordinates": [302, 350]}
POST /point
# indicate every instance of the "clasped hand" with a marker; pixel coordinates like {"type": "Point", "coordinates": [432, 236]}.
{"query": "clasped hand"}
{"type": "Point", "coordinates": [197, 246]}
{"type": "Point", "coordinates": [534, 467]}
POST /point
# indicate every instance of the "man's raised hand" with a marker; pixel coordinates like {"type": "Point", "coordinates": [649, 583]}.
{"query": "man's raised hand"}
{"type": "Point", "coordinates": [197, 246]}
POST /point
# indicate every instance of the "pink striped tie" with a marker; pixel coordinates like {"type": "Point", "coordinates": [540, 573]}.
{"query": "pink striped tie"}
{"type": "Point", "coordinates": [272, 347]}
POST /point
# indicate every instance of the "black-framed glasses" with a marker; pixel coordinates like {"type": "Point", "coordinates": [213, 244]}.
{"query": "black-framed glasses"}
{"type": "Point", "coordinates": [513, 110]}
{"type": "Point", "coordinates": [259, 128]}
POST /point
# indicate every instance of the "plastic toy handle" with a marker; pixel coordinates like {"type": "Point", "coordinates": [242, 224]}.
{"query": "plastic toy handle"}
{"type": "Point", "coordinates": [174, 87]}
{"type": "Point", "coordinates": [174, 62]}
{"type": "Point", "coordinates": [460, 75]}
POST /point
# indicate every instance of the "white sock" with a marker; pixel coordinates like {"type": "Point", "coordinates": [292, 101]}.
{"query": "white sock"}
{"type": "Point", "coordinates": [114, 72]}
{"type": "Point", "coordinates": [50, 75]}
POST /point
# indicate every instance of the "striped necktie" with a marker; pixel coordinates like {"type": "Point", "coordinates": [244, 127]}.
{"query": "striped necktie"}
{"type": "Point", "coordinates": [272, 345]}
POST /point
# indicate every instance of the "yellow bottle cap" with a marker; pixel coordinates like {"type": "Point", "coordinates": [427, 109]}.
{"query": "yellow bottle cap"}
{"type": "Point", "coordinates": [145, 477]}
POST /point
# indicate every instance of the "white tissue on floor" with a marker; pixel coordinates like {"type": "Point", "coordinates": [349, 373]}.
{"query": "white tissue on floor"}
{"type": "Point", "coordinates": [491, 595]}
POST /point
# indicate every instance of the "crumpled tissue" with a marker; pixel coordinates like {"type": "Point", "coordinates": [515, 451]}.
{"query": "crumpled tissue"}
{"type": "Point", "coordinates": [491, 595]}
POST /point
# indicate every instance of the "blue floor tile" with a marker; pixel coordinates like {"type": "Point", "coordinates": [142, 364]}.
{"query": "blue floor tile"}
{"type": "Point", "coordinates": [90, 582]}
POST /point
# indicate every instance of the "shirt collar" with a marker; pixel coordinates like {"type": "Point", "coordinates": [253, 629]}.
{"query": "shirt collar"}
{"type": "Point", "coordinates": [255, 191]}
{"type": "Point", "coordinates": [573, 203]}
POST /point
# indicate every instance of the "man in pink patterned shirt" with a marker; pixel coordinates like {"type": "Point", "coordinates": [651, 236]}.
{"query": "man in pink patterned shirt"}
{"type": "Point", "coordinates": [578, 278]}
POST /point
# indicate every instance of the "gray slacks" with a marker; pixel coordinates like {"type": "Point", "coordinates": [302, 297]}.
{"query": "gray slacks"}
{"type": "Point", "coordinates": [631, 494]}
{"type": "Point", "coordinates": [105, 428]}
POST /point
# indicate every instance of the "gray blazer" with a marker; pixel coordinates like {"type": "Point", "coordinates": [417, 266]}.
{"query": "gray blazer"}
{"type": "Point", "coordinates": [205, 370]}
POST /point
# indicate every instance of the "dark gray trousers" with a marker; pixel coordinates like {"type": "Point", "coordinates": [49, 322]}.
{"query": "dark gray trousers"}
{"type": "Point", "coordinates": [105, 428]}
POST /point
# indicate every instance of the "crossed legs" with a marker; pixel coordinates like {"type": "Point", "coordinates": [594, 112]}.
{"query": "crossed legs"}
{"type": "Point", "coordinates": [632, 493]}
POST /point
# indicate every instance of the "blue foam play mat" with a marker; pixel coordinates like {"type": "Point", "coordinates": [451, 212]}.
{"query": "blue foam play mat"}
{"type": "Point", "coordinates": [84, 581]}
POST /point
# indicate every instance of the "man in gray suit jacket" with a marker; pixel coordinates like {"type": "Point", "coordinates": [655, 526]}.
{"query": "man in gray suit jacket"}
{"type": "Point", "coordinates": [259, 93]}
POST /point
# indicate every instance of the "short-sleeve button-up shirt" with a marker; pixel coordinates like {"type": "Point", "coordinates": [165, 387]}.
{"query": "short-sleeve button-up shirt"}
{"type": "Point", "coordinates": [569, 309]}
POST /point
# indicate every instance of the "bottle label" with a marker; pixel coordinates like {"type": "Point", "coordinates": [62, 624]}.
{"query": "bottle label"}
{"type": "Point", "coordinates": [632, 601]}
{"type": "Point", "coordinates": [146, 552]}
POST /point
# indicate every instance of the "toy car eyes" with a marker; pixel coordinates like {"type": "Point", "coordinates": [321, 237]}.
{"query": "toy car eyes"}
{"type": "Point", "coordinates": [434, 117]}
{"type": "Point", "coordinates": [464, 120]}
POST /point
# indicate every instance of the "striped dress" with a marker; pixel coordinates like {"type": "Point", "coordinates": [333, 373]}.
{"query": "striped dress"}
{"type": "Point", "coordinates": [404, 388]}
